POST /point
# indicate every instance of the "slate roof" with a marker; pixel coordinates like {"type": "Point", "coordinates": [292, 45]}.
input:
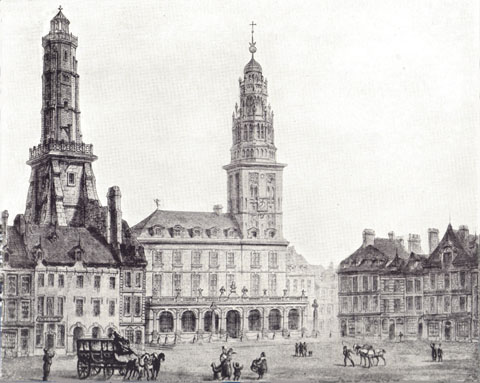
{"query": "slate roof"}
{"type": "Point", "coordinates": [465, 255]}
{"type": "Point", "coordinates": [58, 245]}
{"type": "Point", "coordinates": [186, 219]}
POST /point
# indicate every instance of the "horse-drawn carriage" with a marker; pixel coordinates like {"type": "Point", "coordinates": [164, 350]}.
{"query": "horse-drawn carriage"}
{"type": "Point", "coordinates": [95, 355]}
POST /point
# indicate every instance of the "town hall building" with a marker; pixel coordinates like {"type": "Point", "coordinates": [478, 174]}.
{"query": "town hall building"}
{"type": "Point", "coordinates": [221, 273]}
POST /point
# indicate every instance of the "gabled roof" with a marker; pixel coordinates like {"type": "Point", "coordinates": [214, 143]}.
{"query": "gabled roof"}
{"type": "Point", "coordinates": [391, 247]}
{"type": "Point", "coordinates": [187, 219]}
{"type": "Point", "coordinates": [462, 256]}
{"type": "Point", "coordinates": [58, 244]}
{"type": "Point", "coordinates": [415, 263]}
{"type": "Point", "coordinates": [364, 258]}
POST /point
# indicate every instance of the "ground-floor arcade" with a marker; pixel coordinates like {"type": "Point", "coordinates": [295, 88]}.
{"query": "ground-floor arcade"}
{"type": "Point", "coordinates": [231, 318]}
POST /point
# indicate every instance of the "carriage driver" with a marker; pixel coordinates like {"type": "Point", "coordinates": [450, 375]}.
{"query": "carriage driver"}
{"type": "Point", "coordinates": [121, 345]}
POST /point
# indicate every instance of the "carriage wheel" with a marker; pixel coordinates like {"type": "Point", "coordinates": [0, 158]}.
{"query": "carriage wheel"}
{"type": "Point", "coordinates": [95, 371]}
{"type": "Point", "coordinates": [108, 372]}
{"type": "Point", "coordinates": [83, 369]}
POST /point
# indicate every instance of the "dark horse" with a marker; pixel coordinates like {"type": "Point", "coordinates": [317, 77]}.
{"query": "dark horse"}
{"type": "Point", "coordinates": [156, 362]}
{"type": "Point", "coordinates": [223, 370]}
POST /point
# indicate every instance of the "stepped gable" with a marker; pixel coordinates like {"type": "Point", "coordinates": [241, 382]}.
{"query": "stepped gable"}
{"type": "Point", "coordinates": [188, 221]}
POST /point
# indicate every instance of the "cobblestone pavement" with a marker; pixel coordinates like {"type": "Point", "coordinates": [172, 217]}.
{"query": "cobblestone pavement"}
{"type": "Point", "coordinates": [406, 361]}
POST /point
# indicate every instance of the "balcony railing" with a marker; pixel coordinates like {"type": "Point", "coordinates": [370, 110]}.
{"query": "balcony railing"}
{"type": "Point", "coordinates": [60, 146]}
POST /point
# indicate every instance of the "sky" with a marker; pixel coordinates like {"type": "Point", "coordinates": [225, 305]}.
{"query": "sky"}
{"type": "Point", "coordinates": [376, 108]}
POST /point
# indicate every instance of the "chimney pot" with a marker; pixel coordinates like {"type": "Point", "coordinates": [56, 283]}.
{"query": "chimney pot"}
{"type": "Point", "coordinates": [432, 239]}
{"type": "Point", "coordinates": [391, 236]}
{"type": "Point", "coordinates": [368, 237]}
{"type": "Point", "coordinates": [4, 227]}
{"type": "Point", "coordinates": [217, 209]}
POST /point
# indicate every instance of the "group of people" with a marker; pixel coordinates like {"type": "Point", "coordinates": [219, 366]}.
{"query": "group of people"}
{"type": "Point", "coordinates": [226, 368]}
{"type": "Point", "coordinates": [301, 349]}
{"type": "Point", "coordinates": [437, 352]}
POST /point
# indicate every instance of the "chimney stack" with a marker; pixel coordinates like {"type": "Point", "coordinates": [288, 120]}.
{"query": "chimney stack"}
{"type": "Point", "coordinates": [217, 209]}
{"type": "Point", "coordinates": [368, 237]}
{"type": "Point", "coordinates": [432, 240]}
{"type": "Point", "coordinates": [463, 232]}
{"type": "Point", "coordinates": [114, 216]}
{"type": "Point", "coordinates": [414, 243]}
{"type": "Point", "coordinates": [4, 227]}
{"type": "Point", "coordinates": [391, 236]}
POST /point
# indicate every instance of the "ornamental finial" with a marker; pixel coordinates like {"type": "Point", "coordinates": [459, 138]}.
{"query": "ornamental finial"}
{"type": "Point", "coordinates": [252, 48]}
{"type": "Point", "coordinates": [60, 8]}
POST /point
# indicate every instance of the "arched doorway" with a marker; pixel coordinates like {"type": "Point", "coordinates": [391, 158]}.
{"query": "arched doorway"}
{"type": "Point", "coordinates": [188, 321]}
{"type": "Point", "coordinates": [391, 330]}
{"type": "Point", "coordinates": [448, 330]}
{"type": "Point", "coordinates": [343, 330]}
{"type": "Point", "coordinates": [165, 321]}
{"type": "Point", "coordinates": [274, 320]}
{"type": "Point", "coordinates": [77, 334]}
{"type": "Point", "coordinates": [50, 340]}
{"type": "Point", "coordinates": [208, 324]}
{"type": "Point", "coordinates": [233, 323]}
{"type": "Point", "coordinates": [254, 321]}
{"type": "Point", "coordinates": [420, 330]}
{"type": "Point", "coordinates": [293, 319]}
{"type": "Point", "coordinates": [96, 332]}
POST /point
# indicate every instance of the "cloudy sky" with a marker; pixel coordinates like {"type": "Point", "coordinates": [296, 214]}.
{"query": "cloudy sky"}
{"type": "Point", "coordinates": [376, 107]}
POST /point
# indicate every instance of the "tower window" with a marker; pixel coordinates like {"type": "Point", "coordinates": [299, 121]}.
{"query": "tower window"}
{"type": "Point", "coordinates": [65, 55]}
{"type": "Point", "coordinates": [70, 179]}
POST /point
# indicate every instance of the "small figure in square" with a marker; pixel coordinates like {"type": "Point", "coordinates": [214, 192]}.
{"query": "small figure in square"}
{"type": "Point", "coordinates": [48, 355]}
{"type": "Point", "coordinates": [434, 352]}
{"type": "Point", "coordinates": [347, 356]}
{"type": "Point", "coordinates": [439, 353]}
{"type": "Point", "coordinates": [237, 371]}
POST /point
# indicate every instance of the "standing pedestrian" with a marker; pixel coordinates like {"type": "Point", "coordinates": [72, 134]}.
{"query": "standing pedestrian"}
{"type": "Point", "coordinates": [296, 349]}
{"type": "Point", "coordinates": [346, 356]}
{"type": "Point", "coordinates": [439, 353]}
{"type": "Point", "coordinates": [304, 349]}
{"type": "Point", "coordinates": [48, 355]}
{"type": "Point", "coordinates": [434, 352]}
{"type": "Point", "coordinates": [400, 336]}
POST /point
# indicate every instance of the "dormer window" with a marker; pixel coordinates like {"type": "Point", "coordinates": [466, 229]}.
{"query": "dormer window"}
{"type": "Point", "coordinates": [447, 258]}
{"type": "Point", "coordinates": [157, 230]}
{"type": "Point", "coordinates": [177, 231]}
{"type": "Point", "coordinates": [197, 232]}
{"type": "Point", "coordinates": [38, 255]}
{"type": "Point", "coordinates": [78, 255]}
{"type": "Point", "coordinates": [70, 179]}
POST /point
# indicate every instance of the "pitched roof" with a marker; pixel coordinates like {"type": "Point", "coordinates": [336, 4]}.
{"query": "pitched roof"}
{"type": "Point", "coordinates": [186, 219]}
{"type": "Point", "coordinates": [391, 247]}
{"type": "Point", "coordinates": [58, 245]}
{"type": "Point", "coordinates": [463, 255]}
{"type": "Point", "coordinates": [364, 258]}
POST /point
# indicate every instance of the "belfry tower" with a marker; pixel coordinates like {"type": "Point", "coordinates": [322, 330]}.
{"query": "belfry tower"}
{"type": "Point", "coordinates": [254, 175]}
{"type": "Point", "coordinates": [62, 185]}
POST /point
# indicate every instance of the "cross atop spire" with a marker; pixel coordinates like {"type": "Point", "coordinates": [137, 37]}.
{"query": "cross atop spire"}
{"type": "Point", "coordinates": [252, 48]}
{"type": "Point", "coordinates": [60, 8]}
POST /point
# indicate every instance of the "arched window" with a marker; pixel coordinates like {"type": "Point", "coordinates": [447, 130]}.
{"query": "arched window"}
{"type": "Point", "coordinates": [293, 319]}
{"type": "Point", "coordinates": [166, 321]}
{"type": "Point", "coordinates": [254, 321]}
{"type": "Point", "coordinates": [96, 332]}
{"type": "Point", "coordinates": [65, 55]}
{"type": "Point", "coordinates": [274, 320]}
{"type": "Point", "coordinates": [188, 321]}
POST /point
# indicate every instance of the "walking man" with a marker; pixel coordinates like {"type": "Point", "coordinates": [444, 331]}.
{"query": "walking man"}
{"type": "Point", "coordinates": [400, 336]}
{"type": "Point", "coordinates": [439, 353]}
{"type": "Point", "coordinates": [48, 355]}
{"type": "Point", "coordinates": [434, 352]}
{"type": "Point", "coordinates": [346, 356]}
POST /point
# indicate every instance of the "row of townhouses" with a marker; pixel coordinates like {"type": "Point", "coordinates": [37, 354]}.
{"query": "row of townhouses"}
{"type": "Point", "coordinates": [73, 268]}
{"type": "Point", "coordinates": [385, 289]}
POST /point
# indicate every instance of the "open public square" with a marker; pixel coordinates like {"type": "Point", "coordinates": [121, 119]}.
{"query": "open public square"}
{"type": "Point", "coordinates": [406, 361]}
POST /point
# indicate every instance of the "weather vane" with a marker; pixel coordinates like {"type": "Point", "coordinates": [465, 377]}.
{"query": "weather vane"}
{"type": "Point", "coordinates": [252, 48]}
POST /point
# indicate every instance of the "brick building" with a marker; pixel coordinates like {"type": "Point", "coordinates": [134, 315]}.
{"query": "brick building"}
{"type": "Point", "coordinates": [64, 260]}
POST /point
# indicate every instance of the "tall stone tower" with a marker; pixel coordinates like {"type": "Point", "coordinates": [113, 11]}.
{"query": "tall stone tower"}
{"type": "Point", "coordinates": [62, 185]}
{"type": "Point", "coordinates": [254, 176]}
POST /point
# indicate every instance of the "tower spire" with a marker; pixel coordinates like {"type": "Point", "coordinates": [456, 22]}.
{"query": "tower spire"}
{"type": "Point", "coordinates": [252, 48]}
